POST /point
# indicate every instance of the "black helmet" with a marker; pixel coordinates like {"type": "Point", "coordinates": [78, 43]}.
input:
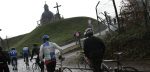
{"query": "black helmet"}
{"type": "Point", "coordinates": [13, 48]}
{"type": "Point", "coordinates": [88, 32]}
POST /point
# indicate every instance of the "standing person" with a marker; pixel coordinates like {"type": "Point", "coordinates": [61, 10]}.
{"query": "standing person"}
{"type": "Point", "coordinates": [94, 49]}
{"type": "Point", "coordinates": [4, 58]}
{"type": "Point", "coordinates": [26, 53]}
{"type": "Point", "coordinates": [77, 36]}
{"type": "Point", "coordinates": [13, 56]}
{"type": "Point", "coordinates": [48, 50]}
{"type": "Point", "coordinates": [35, 51]}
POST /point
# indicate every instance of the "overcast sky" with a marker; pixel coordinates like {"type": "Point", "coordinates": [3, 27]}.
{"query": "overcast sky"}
{"type": "Point", "coordinates": [19, 16]}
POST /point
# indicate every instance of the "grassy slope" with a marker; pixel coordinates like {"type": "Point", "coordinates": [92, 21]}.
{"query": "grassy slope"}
{"type": "Point", "coordinates": [60, 32]}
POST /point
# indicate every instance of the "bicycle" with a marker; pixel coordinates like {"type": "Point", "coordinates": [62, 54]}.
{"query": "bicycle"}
{"type": "Point", "coordinates": [35, 66]}
{"type": "Point", "coordinates": [14, 65]}
{"type": "Point", "coordinates": [119, 67]}
{"type": "Point", "coordinates": [27, 64]}
{"type": "Point", "coordinates": [84, 63]}
{"type": "Point", "coordinates": [61, 68]}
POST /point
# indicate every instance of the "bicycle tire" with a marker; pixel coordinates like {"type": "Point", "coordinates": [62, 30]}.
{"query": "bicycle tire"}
{"type": "Point", "coordinates": [66, 69]}
{"type": "Point", "coordinates": [82, 65]}
{"type": "Point", "coordinates": [35, 67]}
{"type": "Point", "coordinates": [105, 68]}
{"type": "Point", "coordinates": [129, 69]}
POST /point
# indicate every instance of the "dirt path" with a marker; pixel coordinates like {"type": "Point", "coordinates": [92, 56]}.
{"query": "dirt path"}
{"type": "Point", "coordinates": [142, 65]}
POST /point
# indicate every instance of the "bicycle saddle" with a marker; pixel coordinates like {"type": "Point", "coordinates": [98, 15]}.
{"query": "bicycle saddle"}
{"type": "Point", "coordinates": [118, 53]}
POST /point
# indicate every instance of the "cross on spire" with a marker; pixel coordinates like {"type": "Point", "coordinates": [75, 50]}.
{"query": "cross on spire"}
{"type": "Point", "coordinates": [57, 6]}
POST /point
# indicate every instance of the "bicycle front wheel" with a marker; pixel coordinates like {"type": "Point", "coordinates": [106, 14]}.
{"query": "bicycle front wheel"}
{"type": "Point", "coordinates": [65, 69]}
{"type": "Point", "coordinates": [129, 69]}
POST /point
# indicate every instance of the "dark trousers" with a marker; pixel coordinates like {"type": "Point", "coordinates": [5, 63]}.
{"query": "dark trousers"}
{"type": "Point", "coordinates": [41, 65]}
{"type": "Point", "coordinates": [51, 66]}
{"type": "Point", "coordinates": [96, 64]}
{"type": "Point", "coordinates": [14, 59]}
{"type": "Point", "coordinates": [4, 68]}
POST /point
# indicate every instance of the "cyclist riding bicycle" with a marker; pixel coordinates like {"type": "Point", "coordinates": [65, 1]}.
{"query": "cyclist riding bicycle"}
{"type": "Point", "coordinates": [13, 55]}
{"type": "Point", "coordinates": [26, 55]}
{"type": "Point", "coordinates": [48, 50]}
{"type": "Point", "coordinates": [4, 58]}
{"type": "Point", "coordinates": [94, 49]}
{"type": "Point", "coordinates": [35, 51]}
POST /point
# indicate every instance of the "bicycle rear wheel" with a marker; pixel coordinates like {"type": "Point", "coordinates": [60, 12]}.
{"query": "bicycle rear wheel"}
{"type": "Point", "coordinates": [129, 69]}
{"type": "Point", "coordinates": [65, 69]}
{"type": "Point", "coordinates": [105, 68]}
{"type": "Point", "coordinates": [82, 64]}
{"type": "Point", "coordinates": [35, 67]}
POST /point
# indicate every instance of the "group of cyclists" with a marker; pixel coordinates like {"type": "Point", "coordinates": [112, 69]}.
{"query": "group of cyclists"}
{"type": "Point", "coordinates": [93, 48]}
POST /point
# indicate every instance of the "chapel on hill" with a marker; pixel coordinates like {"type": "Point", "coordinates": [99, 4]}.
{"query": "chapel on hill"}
{"type": "Point", "coordinates": [48, 17]}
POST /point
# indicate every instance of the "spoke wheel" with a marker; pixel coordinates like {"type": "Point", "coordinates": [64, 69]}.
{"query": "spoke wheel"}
{"type": "Point", "coordinates": [129, 69]}
{"type": "Point", "coordinates": [65, 69]}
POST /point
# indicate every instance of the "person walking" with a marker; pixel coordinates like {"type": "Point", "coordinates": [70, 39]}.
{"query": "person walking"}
{"type": "Point", "coordinates": [4, 59]}
{"type": "Point", "coordinates": [47, 49]}
{"type": "Point", "coordinates": [94, 49]}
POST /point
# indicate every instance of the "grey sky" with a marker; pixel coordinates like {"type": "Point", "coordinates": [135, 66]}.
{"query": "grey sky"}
{"type": "Point", "coordinates": [19, 16]}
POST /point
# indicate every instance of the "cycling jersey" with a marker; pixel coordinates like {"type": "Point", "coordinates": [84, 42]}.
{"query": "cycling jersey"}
{"type": "Point", "coordinates": [13, 53]}
{"type": "Point", "coordinates": [48, 50]}
{"type": "Point", "coordinates": [25, 51]}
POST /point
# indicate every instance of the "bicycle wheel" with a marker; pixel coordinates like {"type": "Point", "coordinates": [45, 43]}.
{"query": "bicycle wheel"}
{"type": "Point", "coordinates": [35, 67]}
{"type": "Point", "coordinates": [82, 65]}
{"type": "Point", "coordinates": [129, 69]}
{"type": "Point", "coordinates": [105, 68]}
{"type": "Point", "coordinates": [65, 69]}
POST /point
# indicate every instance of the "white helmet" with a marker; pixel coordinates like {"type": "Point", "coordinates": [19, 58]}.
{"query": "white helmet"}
{"type": "Point", "coordinates": [88, 32]}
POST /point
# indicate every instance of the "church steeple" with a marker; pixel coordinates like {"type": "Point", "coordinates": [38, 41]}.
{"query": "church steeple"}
{"type": "Point", "coordinates": [47, 15]}
{"type": "Point", "coordinates": [46, 7]}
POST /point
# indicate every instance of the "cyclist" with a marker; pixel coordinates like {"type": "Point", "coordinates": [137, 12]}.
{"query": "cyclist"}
{"type": "Point", "coordinates": [4, 58]}
{"type": "Point", "coordinates": [35, 51]}
{"type": "Point", "coordinates": [94, 49]}
{"type": "Point", "coordinates": [13, 55]}
{"type": "Point", "coordinates": [48, 50]}
{"type": "Point", "coordinates": [26, 55]}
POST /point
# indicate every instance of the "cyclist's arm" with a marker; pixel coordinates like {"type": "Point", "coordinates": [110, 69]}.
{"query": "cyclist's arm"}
{"type": "Point", "coordinates": [32, 54]}
{"type": "Point", "coordinates": [59, 48]}
{"type": "Point", "coordinates": [41, 53]}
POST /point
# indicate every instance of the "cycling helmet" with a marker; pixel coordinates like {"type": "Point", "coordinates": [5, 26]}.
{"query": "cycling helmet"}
{"type": "Point", "coordinates": [13, 48]}
{"type": "Point", "coordinates": [88, 32]}
{"type": "Point", "coordinates": [45, 37]}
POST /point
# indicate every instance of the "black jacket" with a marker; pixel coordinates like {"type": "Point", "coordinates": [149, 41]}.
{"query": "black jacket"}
{"type": "Point", "coordinates": [4, 57]}
{"type": "Point", "coordinates": [94, 47]}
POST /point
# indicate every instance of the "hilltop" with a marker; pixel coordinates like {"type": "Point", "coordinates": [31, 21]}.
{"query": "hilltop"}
{"type": "Point", "coordinates": [60, 32]}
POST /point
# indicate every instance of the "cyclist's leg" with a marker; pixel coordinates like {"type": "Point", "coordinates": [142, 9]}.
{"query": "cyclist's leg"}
{"type": "Point", "coordinates": [1, 67]}
{"type": "Point", "coordinates": [16, 62]}
{"type": "Point", "coordinates": [27, 61]}
{"type": "Point", "coordinates": [51, 66]}
{"type": "Point", "coordinates": [6, 69]}
{"type": "Point", "coordinates": [41, 65]}
{"type": "Point", "coordinates": [96, 64]}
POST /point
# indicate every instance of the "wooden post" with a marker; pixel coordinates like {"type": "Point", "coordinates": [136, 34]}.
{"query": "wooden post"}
{"type": "Point", "coordinates": [114, 4]}
{"type": "Point", "coordinates": [98, 16]}
{"type": "Point", "coordinates": [7, 42]}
